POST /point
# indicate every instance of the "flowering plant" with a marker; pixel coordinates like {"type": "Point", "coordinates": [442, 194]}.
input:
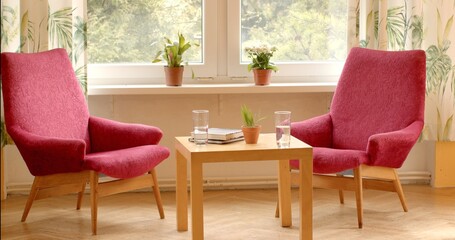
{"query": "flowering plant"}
{"type": "Point", "coordinates": [260, 57]}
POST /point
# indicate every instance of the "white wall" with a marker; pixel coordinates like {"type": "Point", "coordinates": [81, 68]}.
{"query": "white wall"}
{"type": "Point", "coordinates": [172, 113]}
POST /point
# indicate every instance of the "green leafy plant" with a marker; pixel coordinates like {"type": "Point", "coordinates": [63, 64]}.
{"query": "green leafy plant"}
{"type": "Point", "coordinates": [173, 51]}
{"type": "Point", "coordinates": [260, 57]}
{"type": "Point", "coordinates": [249, 118]}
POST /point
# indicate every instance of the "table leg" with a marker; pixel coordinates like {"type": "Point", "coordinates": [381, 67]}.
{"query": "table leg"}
{"type": "Point", "coordinates": [284, 193]}
{"type": "Point", "coordinates": [196, 191]}
{"type": "Point", "coordinates": [181, 193]}
{"type": "Point", "coordinates": [306, 198]}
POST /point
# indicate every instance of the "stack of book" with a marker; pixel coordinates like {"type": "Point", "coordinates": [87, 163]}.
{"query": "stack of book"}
{"type": "Point", "coordinates": [223, 135]}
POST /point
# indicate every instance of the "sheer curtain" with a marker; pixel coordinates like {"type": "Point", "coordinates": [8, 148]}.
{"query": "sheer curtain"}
{"type": "Point", "coordinates": [37, 25]}
{"type": "Point", "coordinates": [415, 24]}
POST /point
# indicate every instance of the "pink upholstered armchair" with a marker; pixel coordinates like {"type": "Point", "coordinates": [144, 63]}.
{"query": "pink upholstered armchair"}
{"type": "Point", "coordinates": [64, 147]}
{"type": "Point", "coordinates": [375, 118]}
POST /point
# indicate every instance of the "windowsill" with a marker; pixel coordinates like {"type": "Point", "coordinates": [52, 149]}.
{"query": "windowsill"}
{"type": "Point", "coordinates": [219, 88]}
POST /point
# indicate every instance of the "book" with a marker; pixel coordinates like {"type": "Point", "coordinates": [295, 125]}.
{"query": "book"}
{"type": "Point", "coordinates": [223, 133]}
{"type": "Point", "coordinates": [214, 141]}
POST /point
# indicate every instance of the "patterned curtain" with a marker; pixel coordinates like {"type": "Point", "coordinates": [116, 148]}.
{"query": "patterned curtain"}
{"type": "Point", "coordinates": [37, 25]}
{"type": "Point", "coordinates": [415, 24]}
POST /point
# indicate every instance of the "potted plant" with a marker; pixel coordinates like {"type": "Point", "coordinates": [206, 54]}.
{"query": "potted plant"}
{"type": "Point", "coordinates": [250, 127]}
{"type": "Point", "coordinates": [173, 55]}
{"type": "Point", "coordinates": [260, 63]}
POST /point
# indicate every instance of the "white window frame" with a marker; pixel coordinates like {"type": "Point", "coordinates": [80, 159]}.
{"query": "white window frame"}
{"type": "Point", "coordinates": [288, 72]}
{"type": "Point", "coordinates": [126, 74]}
{"type": "Point", "coordinates": [221, 58]}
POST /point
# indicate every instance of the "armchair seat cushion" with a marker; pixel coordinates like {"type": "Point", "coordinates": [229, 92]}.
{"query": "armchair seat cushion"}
{"type": "Point", "coordinates": [126, 163]}
{"type": "Point", "coordinates": [329, 160]}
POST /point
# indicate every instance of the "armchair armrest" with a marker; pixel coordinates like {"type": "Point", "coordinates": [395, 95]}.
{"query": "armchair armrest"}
{"type": "Point", "coordinates": [391, 149]}
{"type": "Point", "coordinates": [316, 131]}
{"type": "Point", "coordinates": [48, 155]}
{"type": "Point", "coordinates": [108, 135]}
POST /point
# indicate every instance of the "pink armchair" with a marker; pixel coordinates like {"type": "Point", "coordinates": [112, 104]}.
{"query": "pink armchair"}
{"type": "Point", "coordinates": [375, 119]}
{"type": "Point", "coordinates": [64, 147]}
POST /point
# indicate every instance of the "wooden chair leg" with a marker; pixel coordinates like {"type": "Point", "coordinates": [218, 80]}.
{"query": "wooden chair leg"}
{"type": "Point", "coordinates": [156, 192]}
{"type": "Point", "coordinates": [79, 197]}
{"type": "Point", "coordinates": [277, 210]}
{"type": "Point", "coordinates": [340, 192]}
{"type": "Point", "coordinates": [399, 190]}
{"type": "Point", "coordinates": [359, 195]}
{"type": "Point", "coordinates": [341, 195]}
{"type": "Point", "coordinates": [94, 199]}
{"type": "Point", "coordinates": [31, 198]}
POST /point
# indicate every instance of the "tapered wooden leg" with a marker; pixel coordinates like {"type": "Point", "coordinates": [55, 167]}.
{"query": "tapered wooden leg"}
{"type": "Point", "coordinates": [181, 193]}
{"type": "Point", "coordinates": [359, 195]}
{"type": "Point", "coordinates": [306, 197]}
{"type": "Point", "coordinates": [79, 196]}
{"type": "Point", "coordinates": [156, 192]}
{"type": "Point", "coordinates": [340, 192]}
{"type": "Point", "coordinates": [196, 193]}
{"type": "Point", "coordinates": [277, 210]}
{"type": "Point", "coordinates": [284, 193]}
{"type": "Point", "coordinates": [341, 195]}
{"type": "Point", "coordinates": [399, 191]}
{"type": "Point", "coordinates": [94, 199]}
{"type": "Point", "coordinates": [31, 198]}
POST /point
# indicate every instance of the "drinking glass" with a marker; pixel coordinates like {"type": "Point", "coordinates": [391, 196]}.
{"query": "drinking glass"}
{"type": "Point", "coordinates": [283, 128]}
{"type": "Point", "coordinates": [200, 126]}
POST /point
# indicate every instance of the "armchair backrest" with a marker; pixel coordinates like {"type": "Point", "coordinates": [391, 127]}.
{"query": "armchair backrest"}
{"type": "Point", "coordinates": [378, 91]}
{"type": "Point", "coordinates": [42, 95]}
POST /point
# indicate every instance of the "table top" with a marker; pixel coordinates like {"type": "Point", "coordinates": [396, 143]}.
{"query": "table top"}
{"type": "Point", "coordinates": [265, 149]}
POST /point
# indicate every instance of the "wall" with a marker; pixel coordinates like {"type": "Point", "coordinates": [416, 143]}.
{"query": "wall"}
{"type": "Point", "coordinates": [172, 113]}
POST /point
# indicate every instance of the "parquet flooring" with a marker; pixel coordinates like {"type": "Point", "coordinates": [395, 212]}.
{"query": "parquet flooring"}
{"type": "Point", "coordinates": [237, 214]}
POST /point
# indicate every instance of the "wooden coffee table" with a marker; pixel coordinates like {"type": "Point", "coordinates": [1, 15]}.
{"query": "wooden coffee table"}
{"type": "Point", "coordinates": [265, 149]}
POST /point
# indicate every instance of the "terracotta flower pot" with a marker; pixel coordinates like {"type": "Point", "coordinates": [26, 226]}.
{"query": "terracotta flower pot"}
{"type": "Point", "coordinates": [251, 134]}
{"type": "Point", "coordinates": [262, 76]}
{"type": "Point", "coordinates": [174, 75]}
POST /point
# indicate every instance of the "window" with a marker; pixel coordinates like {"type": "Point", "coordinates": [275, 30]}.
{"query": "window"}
{"type": "Point", "coordinates": [124, 35]}
{"type": "Point", "coordinates": [132, 31]}
{"type": "Point", "coordinates": [311, 36]}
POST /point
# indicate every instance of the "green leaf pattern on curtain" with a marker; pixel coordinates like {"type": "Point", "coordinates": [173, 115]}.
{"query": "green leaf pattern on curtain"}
{"type": "Point", "coordinates": [60, 26]}
{"type": "Point", "coordinates": [8, 17]}
{"type": "Point", "coordinates": [396, 27]}
{"type": "Point", "coordinates": [31, 26]}
{"type": "Point", "coordinates": [425, 25]}
{"type": "Point", "coordinates": [27, 31]}
{"type": "Point", "coordinates": [40, 28]}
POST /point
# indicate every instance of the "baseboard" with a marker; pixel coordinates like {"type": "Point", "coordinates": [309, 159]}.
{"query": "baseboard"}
{"type": "Point", "coordinates": [267, 182]}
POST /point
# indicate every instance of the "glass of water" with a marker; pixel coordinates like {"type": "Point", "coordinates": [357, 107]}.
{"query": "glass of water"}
{"type": "Point", "coordinates": [283, 128]}
{"type": "Point", "coordinates": [200, 126]}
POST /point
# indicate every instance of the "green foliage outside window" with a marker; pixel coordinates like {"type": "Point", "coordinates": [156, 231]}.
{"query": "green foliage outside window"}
{"type": "Point", "coordinates": [131, 31]}
{"type": "Point", "coordinates": [302, 30]}
{"type": "Point", "coordinates": [126, 31]}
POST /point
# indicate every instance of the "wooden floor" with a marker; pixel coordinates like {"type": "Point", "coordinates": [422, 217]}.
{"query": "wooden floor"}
{"type": "Point", "coordinates": [237, 214]}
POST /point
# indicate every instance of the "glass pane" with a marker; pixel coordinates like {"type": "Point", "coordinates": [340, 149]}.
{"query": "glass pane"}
{"type": "Point", "coordinates": [132, 31]}
{"type": "Point", "coordinates": [301, 30]}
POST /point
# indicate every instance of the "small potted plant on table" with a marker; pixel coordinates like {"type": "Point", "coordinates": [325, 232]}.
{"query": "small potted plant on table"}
{"type": "Point", "coordinates": [260, 63]}
{"type": "Point", "coordinates": [250, 129]}
{"type": "Point", "coordinates": [173, 55]}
